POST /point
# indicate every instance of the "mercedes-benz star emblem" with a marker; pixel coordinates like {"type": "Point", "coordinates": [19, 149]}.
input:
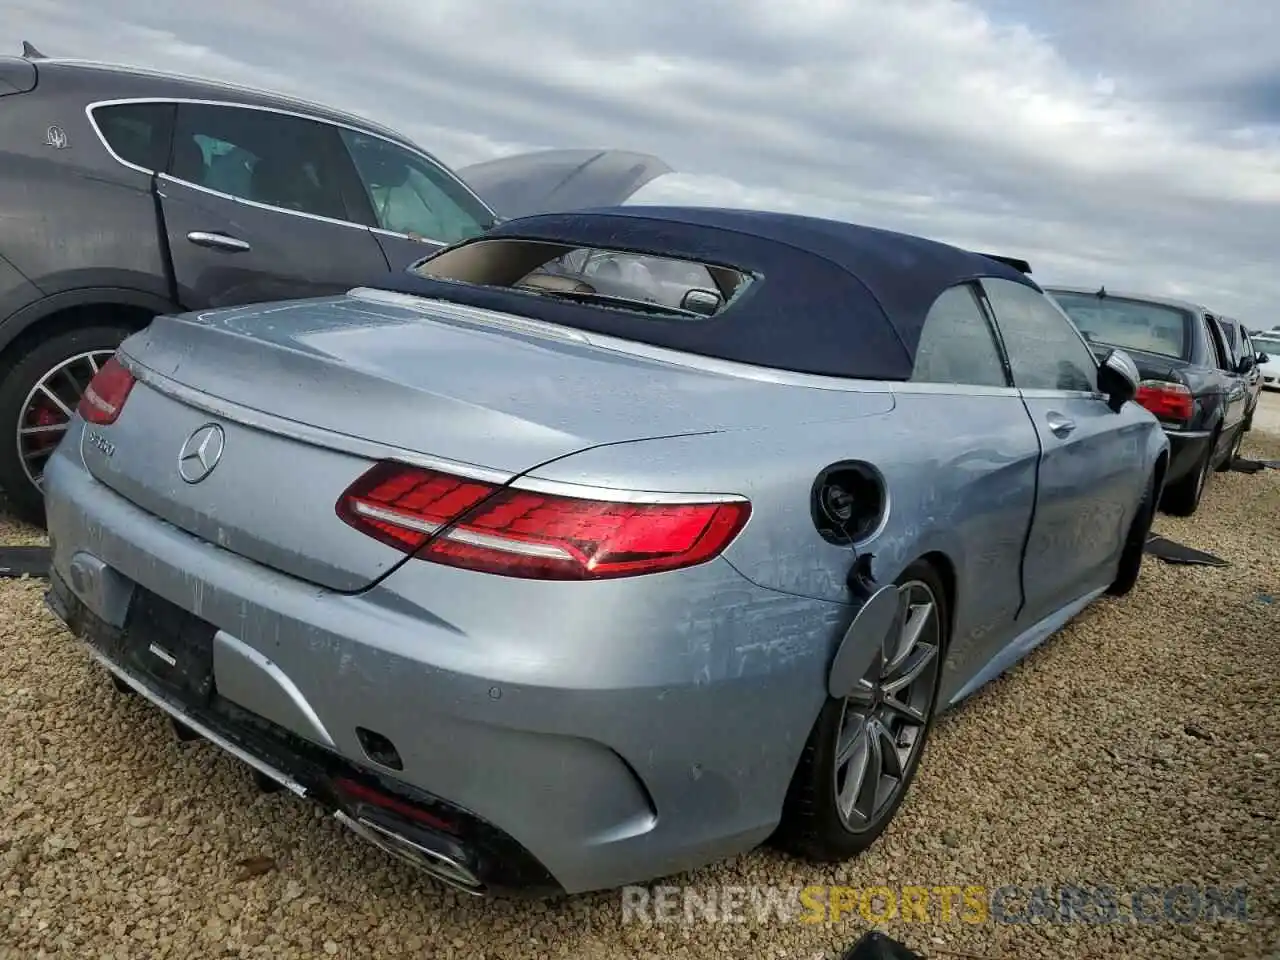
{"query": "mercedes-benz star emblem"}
{"type": "Point", "coordinates": [201, 453]}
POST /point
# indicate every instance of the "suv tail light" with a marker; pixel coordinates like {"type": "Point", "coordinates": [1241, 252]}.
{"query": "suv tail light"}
{"type": "Point", "coordinates": [104, 398]}
{"type": "Point", "coordinates": [521, 533]}
{"type": "Point", "coordinates": [1168, 401]}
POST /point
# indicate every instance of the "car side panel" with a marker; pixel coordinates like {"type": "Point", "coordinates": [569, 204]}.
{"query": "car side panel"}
{"type": "Point", "coordinates": [16, 291]}
{"type": "Point", "coordinates": [959, 465]}
{"type": "Point", "coordinates": [72, 208]}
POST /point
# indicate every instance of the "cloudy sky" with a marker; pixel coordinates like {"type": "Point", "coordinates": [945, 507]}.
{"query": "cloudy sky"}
{"type": "Point", "coordinates": [1129, 143]}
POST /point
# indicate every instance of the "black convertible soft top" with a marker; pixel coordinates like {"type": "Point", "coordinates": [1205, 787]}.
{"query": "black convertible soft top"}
{"type": "Point", "coordinates": [829, 298]}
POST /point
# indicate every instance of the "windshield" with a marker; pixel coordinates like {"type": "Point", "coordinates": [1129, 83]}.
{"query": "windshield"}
{"type": "Point", "coordinates": [1128, 324]}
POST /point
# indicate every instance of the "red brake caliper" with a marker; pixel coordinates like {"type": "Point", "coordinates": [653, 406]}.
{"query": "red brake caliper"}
{"type": "Point", "coordinates": [45, 415]}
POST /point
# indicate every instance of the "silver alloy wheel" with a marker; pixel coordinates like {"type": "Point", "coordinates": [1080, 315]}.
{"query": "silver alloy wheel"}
{"type": "Point", "coordinates": [47, 411]}
{"type": "Point", "coordinates": [883, 721]}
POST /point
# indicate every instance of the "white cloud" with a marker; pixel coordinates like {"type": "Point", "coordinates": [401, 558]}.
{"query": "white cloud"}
{"type": "Point", "coordinates": [1062, 141]}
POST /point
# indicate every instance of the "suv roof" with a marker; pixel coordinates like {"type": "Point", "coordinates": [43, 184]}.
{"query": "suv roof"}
{"type": "Point", "coordinates": [143, 83]}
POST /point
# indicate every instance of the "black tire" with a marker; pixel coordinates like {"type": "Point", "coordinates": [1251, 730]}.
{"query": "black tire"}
{"type": "Point", "coordinates": [21, 374]}
{"type": "Point", "coordinates": [1233, 453]}
{"type": "Point", "coordinates": [122, 687]}
{"type": "Point", "coordinates": [1135, 545]}
{"type": "Point", "coordinates": [811, 826]}
{"type": "Point", "coordinates": [1181, 499]}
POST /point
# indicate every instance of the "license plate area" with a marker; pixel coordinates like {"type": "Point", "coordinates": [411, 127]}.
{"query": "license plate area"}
{"type": "Point", "coordinates": [171, 646]}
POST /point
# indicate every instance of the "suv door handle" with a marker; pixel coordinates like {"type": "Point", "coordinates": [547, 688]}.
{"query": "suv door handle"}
{"type": "Point", "coordinates": [1060, 425]}
{"type": "Point", "coordinates": [219, 241]}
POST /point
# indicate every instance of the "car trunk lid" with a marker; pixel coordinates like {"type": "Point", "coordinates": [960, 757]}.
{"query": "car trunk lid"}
{"type": "Point", "coordinates": [308, 395]}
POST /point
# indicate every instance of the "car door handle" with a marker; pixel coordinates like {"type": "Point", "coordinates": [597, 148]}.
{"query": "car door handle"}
{"type": "Point", "coordinates": [1059, 424]}
{"type": "Point", "coordinates": [219, 241]}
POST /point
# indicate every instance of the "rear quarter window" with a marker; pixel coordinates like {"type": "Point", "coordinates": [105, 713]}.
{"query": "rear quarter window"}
{"type": "Point", "coordinates": [137, 133]}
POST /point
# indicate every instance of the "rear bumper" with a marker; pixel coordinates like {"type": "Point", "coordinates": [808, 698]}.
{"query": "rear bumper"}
{"type": "Point", "coordinates": [574, 757]}
{"type": "Point", "coordinates": [443, 839]}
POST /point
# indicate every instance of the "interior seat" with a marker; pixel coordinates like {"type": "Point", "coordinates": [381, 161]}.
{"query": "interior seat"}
{"type": "Point", "coordinates": [549, 281]}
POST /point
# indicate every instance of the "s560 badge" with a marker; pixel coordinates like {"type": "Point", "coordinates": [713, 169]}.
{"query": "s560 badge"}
{"type": "Point", "coordinates": [100, 443]}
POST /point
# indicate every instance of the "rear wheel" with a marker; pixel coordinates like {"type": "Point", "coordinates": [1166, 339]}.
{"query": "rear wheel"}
{"type": "Point", "coordinates": [864, 750]}
{"type": "Point", "coordinates": [38, 396]}
{"type": "Point", "coordinates": [1234, 452]}
{"type": "Point", "coordinates": [1183, 497]}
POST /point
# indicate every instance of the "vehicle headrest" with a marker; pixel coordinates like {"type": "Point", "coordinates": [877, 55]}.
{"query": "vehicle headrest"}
{"type": "Point", "coordinates": [188, 160]}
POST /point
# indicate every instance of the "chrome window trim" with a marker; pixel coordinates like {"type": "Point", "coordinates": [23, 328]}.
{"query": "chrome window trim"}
{"type": "Point", "coordinates": [196, 101]}
{"type": "Point", "coordinates": [1045, 394]}
{"type": "Point", "coordinates": [730, 368]}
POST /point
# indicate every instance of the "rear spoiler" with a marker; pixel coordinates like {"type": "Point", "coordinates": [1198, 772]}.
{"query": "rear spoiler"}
{"type": "Point", "coordinates": [1020, 265]}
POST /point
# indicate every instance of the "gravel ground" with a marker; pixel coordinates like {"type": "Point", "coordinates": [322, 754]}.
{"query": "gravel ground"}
{"type": "Point", "coordinates": [1077, 768]}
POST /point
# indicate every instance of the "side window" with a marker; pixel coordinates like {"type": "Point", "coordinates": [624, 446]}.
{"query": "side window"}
{"type": "Point", "coordinates": [413, 196]}
{"type": "Point", "coordinates": [1045, 350]}
{"type": "Point", "coordinates": [1233, 346]}
{"type": "Point", "coordinates": [138, 133]}
{"type": "Point", "coordinates": [957, 344]}
{"type": "Point", "coordinates": [1218, 340]}
{"type": "Point", "coordinates": [270, 158]}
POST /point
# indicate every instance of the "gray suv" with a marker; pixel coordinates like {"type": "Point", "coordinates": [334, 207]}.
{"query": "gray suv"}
{"type": "Point", "coordinates": [125, 194]}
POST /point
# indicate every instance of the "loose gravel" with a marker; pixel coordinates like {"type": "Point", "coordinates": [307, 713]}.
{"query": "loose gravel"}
{"type": "Point", "coordinates": [1140, 746]}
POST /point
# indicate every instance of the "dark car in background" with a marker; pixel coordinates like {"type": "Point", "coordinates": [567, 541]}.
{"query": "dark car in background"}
{"type": "Point", "coordinates": [1245, 357]}
{"type": "Point", "coordinates": [1191, 380]}
{"type": "Point", "coordinates": [126, 194]}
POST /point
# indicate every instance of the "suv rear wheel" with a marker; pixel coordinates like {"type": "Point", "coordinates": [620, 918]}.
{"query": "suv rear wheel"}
{"type": "Point", "coordinates": [39, 393]}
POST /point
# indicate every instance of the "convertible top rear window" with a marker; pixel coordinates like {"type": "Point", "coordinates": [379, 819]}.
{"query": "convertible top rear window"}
{"type": "Point", "coordinates": [613, 279]}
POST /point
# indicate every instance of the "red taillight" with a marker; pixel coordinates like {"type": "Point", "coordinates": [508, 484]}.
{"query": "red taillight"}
{"type": "Point", "coordinates": [1168, 401]}
{"type": "Point", "coordinates": [104, 398]}
{"type": "Point", "coordinates": [522, 533]}
{"type": "Point", "coordinates": [359, 793]}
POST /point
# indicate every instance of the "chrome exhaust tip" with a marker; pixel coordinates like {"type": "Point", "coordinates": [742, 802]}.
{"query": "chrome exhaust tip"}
{"type": "Point", "coordinates": [443, 866]}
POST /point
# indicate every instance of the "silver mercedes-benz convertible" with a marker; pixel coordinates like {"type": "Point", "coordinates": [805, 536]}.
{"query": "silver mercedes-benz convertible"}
{"type": "Point", "coordinates": [608, 543]}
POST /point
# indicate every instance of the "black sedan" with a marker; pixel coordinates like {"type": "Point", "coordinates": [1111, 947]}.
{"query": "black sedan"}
{"type": "Point", "coordinates": [1191, 380]}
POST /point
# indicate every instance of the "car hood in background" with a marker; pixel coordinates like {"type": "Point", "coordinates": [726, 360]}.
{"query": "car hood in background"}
{"type": "Point", "coordinates": [557, 181]}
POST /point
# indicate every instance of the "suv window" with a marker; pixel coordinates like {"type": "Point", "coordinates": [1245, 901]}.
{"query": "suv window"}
{"type": "Point", "coordinates": [138, 133]}
{"type": "Point", "coordinates": [270, 158]}
{"type": "Point", "coordinates": [413, 196]}
{"type": "Point", "coordinates": [1045, 350]}
{"type": "Point", "coordinates": [957, 344]}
